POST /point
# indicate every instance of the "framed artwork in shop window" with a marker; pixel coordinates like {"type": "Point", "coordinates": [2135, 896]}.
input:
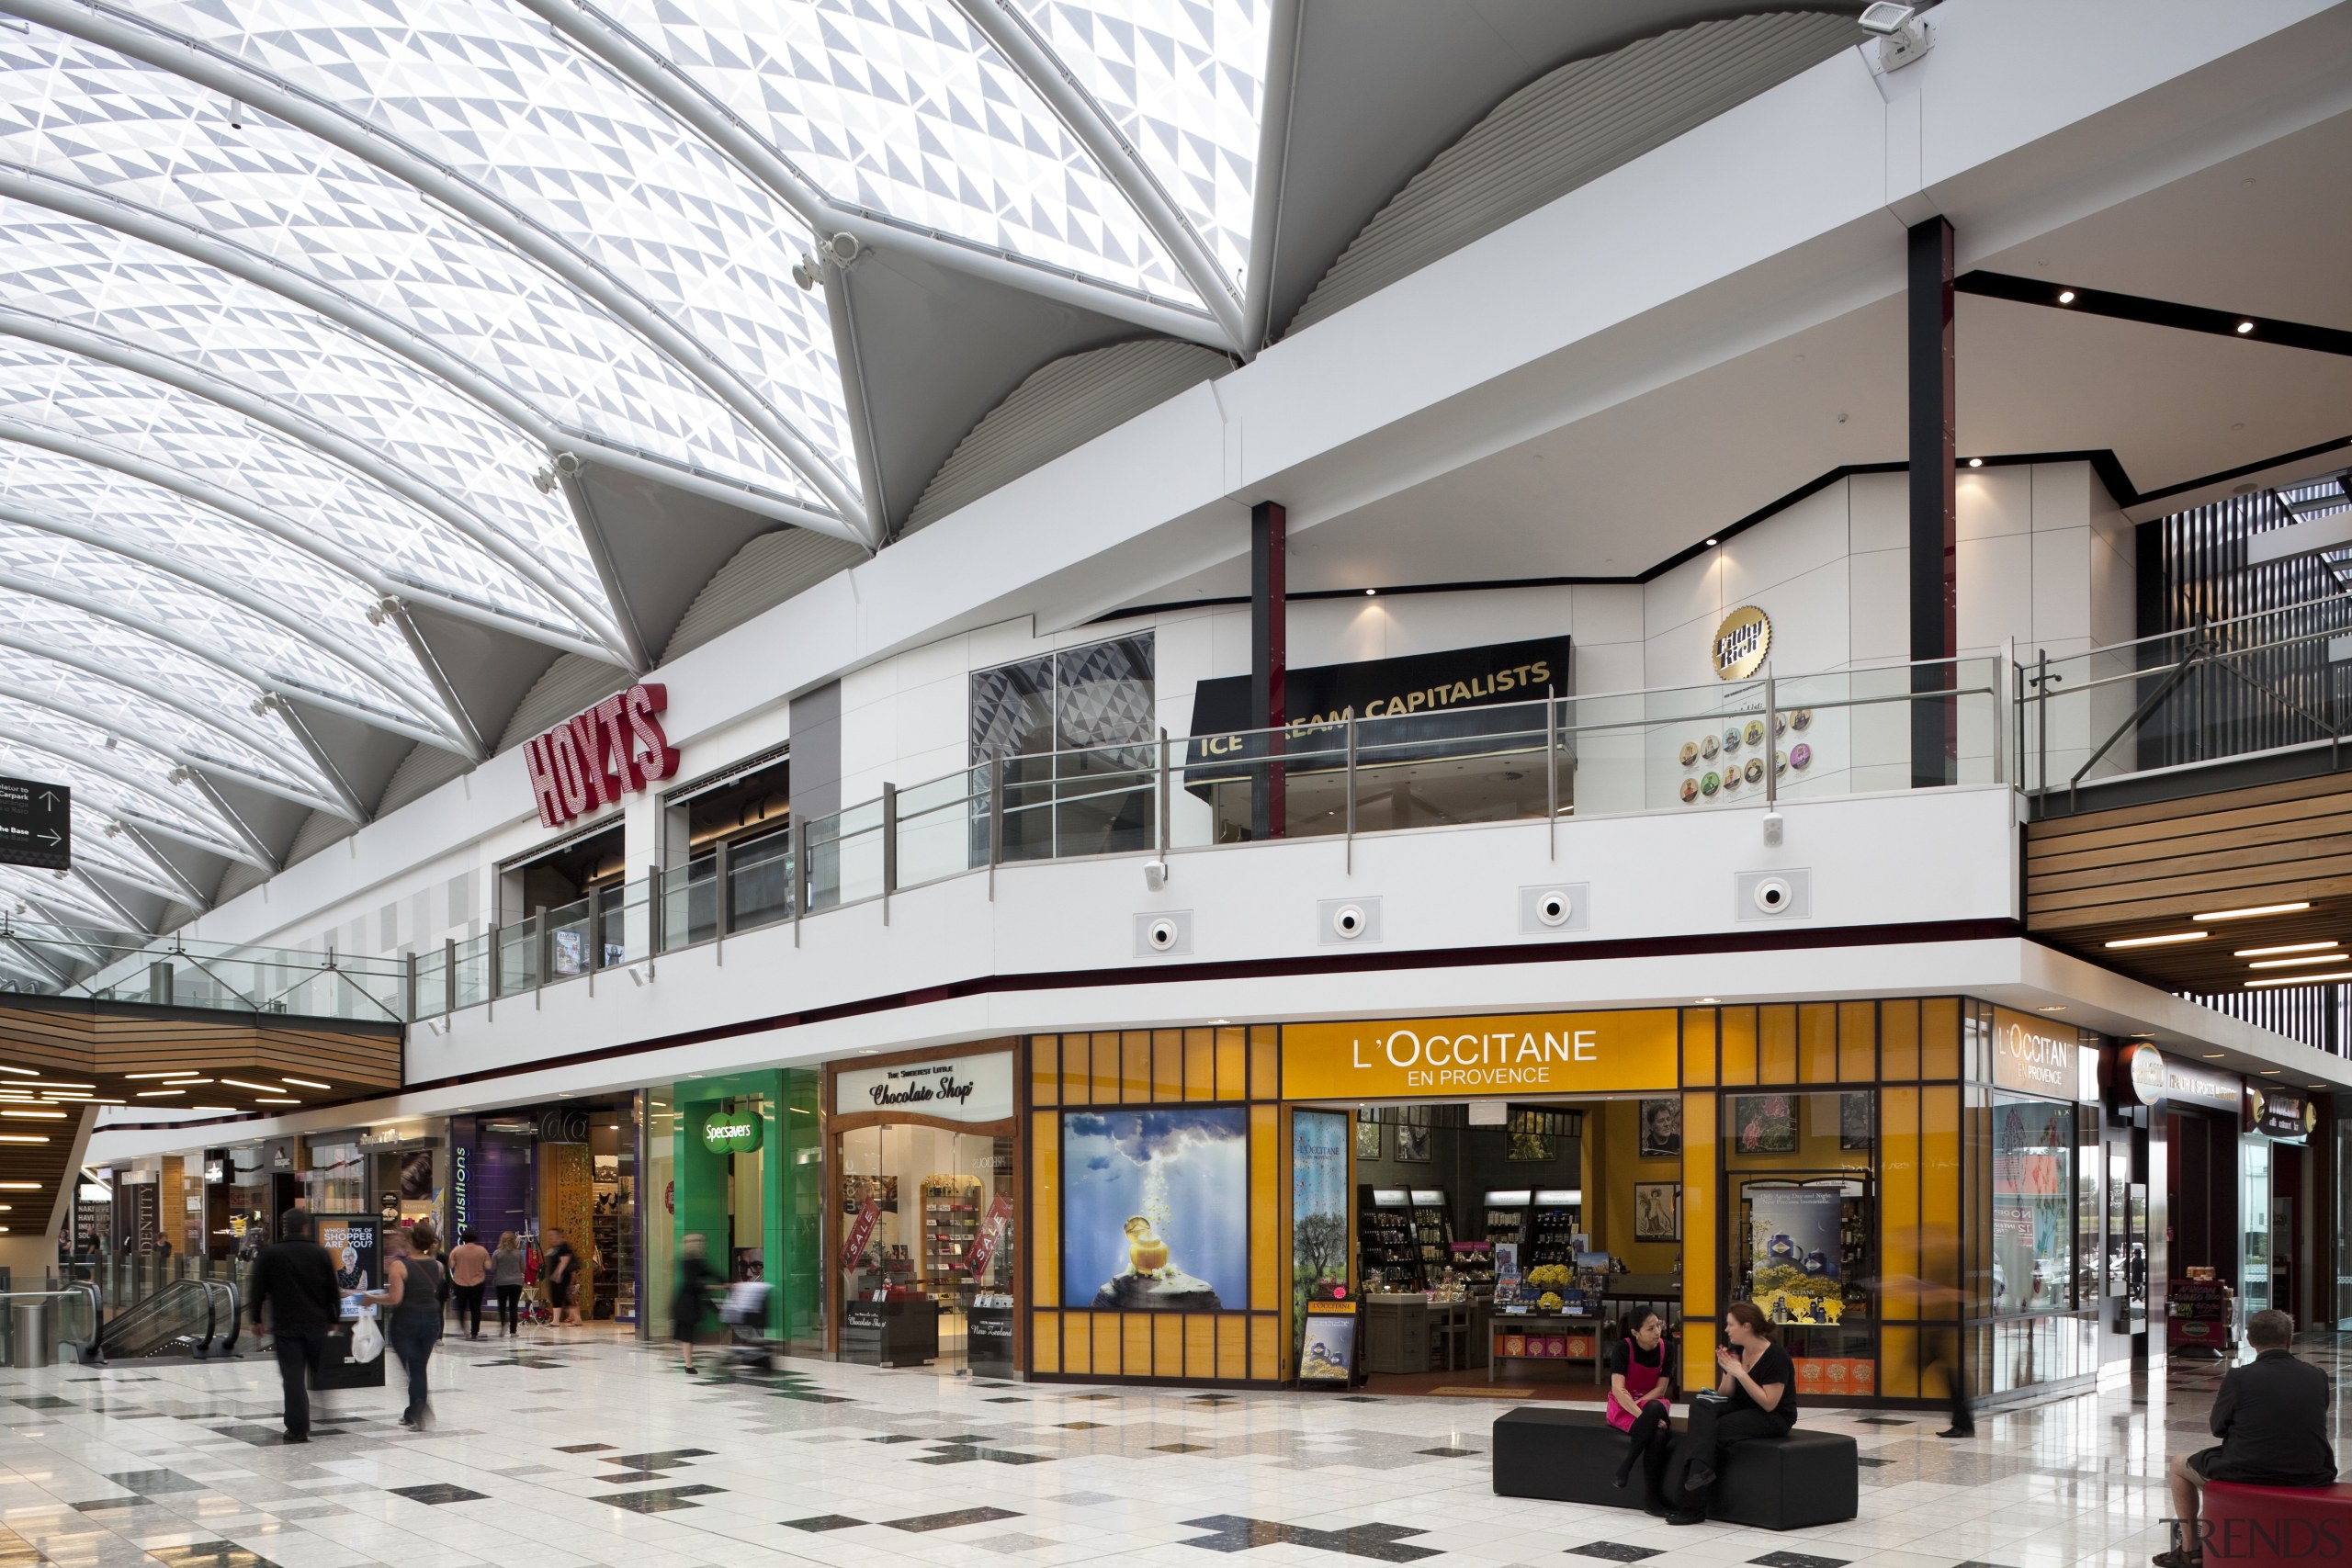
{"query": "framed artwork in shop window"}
{"type": "Point", "coordinates": [1854, 1121]}
{"type": "Point", "coordinates": [1662, 1128]}
{"type": "Point", "coordinates": [1764, 1123]}
{"type": "Point", "coordinates": [1412, 1144]}
{"type": "Point", "coordinates": [1367, 1136]}
{"type": "Point", "coordinates": [1657, 1210]}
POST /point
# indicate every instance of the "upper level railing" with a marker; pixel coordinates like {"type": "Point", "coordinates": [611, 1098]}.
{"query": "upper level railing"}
{"type": "Point", "coordinates": [175, 971]}
{"type": "Point", "coordinates": [2269, 682]}
{"type": "Point", "coordinates": [1682, 748]}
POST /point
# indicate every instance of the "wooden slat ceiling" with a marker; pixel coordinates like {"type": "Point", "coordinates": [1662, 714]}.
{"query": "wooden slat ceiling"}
{"type": "Point", "coordinates": [2147, 871]}
{"type": "Point", "coordinates": [58, 1054]}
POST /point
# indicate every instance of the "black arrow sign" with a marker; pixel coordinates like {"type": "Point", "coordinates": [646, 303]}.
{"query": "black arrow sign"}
{"type": "Point", "coordinates": [36, 824]}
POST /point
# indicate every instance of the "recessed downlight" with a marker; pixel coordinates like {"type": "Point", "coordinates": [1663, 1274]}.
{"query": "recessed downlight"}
{"type": "Point", "coordinates": [2065, 296]}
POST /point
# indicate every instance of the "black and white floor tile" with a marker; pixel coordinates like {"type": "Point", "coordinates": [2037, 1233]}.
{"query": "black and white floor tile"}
{"type": "Point", "coordinates": [585, 1449]}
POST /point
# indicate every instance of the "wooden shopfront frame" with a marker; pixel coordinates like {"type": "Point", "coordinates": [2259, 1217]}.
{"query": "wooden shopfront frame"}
{"type": "Point", "coordinates": [838, 1123]}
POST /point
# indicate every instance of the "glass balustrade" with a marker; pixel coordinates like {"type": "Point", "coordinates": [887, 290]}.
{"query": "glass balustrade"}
{"type": "Point", "coordinates": [1690, 749]}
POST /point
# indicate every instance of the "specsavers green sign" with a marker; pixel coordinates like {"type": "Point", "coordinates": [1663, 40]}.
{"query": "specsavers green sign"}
{"type": "Point", "coordinates": [731, 1131]}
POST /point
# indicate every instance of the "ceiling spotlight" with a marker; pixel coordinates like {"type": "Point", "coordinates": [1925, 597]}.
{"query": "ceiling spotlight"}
{"type": "Point", "coordinates": [1976, 462]}
{"type": "Point", "coordinates": [805, 272]}
{"type": "Point", "coordinates": [1709, 1001]}
{"type": "Point", "coordinates": [1712, 543]}
{"type": "Point", "coordinates": [544, 479]}
{"type": "Point", "coordinates": [179, 775]}
{"type": "Point", "coordinates": [1902, 36]}
{"type": "Point", "coordinates": [2065, 296]}
{"type": "Point", "coordinates": [2245, 327]}
{"type": "Point", "coordinates": [845, 248]}
{"type": "Point", "coordinates": [383, 610]}
{"type": "Point", "coordinates": [1372, 593]}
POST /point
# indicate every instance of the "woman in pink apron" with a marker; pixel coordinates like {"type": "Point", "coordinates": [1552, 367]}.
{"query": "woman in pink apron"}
{"type": "Point", "coordinates": [1641, 1396]}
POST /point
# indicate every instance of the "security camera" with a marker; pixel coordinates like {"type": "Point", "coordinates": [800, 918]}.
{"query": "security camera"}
{"type": "Point", "coordinates": [1554, 908]}
{"type": "Point", "coordinates": [1154, 875]}
{"type": "Point", "coordinates": [1773, 895]}
{"type": "Point", "coordinates": [1348, 921]}
{"type": "Point", "coordinates": [1161, 935]}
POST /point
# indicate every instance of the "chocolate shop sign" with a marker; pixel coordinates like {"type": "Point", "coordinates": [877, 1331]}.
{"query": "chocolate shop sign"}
{"type": "Point", "coordinates": [963, 1088]}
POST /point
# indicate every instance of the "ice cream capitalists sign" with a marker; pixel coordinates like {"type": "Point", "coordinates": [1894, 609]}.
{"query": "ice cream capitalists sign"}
{"type": "Point", "coordinates": [592, 759]}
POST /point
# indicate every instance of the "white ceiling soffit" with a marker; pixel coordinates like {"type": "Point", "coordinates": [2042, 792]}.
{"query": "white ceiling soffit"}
{"type": "Point", "coordinates": [1567, 129]}
{"type": "Point", "coordinates": [766, 571]}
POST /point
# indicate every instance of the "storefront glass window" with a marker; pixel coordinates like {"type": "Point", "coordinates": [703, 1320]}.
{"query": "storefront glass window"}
{"type": "Point", "coordinates": [2254, 1220]}
{"type": "Point", "coordinates": [2033, 1223]}
{"type": "Point", "coordinates": [658, 1196]}
{"type": "Point", "coordinates": [930, 1211]}
{"type": "Point", "coordinates": [1803, 1222]}
{"type": "Point", "coordinates": [337, 1182]}
{"type": "Point", "coordinates": [2344, 1230]}
{"type": "Point", "coordinates": [1096, 707]}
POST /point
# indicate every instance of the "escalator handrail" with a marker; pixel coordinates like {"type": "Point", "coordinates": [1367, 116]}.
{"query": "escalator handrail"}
{"type": "Point", "coordinates": [213, 1337]}
{"type": "Point", "coordinates": [72, 1289]}
{"type": "Point", "coordinates": [155, 1306]}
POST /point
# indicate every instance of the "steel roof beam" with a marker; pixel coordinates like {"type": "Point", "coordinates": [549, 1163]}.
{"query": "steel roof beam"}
{"type": "Point", "coordinates": [81, 878]}
{"type": "Point", "coordinates": [297, 426]}
{"type": "Point", "coordinates": [143, 823]}
{"type": "Point", "coordinates": [661, 79]}
{"type": "Point", "coordinates": [36, 588]}
{"type": "Point", "coordinates": [156, 691]}
{"type": "Point", "coordinates": [139, 736]}
{"type": "Point", "coordinates": [216, 585]}
{"type": "Point", "coordinates": [170, 884]}
{"type": "Point", "coordinates": [1003, 25]}
{"type": "Point", "coordinates": [199, 244]}
{"type": "Point", "coordinates": [32, 962]}
{"type": "Point", "coordinates": [370, 143]}
{"type": "Point", "coordinates": [1283, 22]}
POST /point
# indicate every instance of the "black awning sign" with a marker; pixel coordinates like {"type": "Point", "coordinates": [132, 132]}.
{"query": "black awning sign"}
{"type": "Point", "coordinates": [36, 824]}
{"type": "Point", "coordinates": [1425, 697]}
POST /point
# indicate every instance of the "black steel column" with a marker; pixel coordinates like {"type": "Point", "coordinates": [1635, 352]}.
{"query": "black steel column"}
{"type": "Point", "coordinates": [1269, 658]}
{"type": "Point", "coordinates": [1935, 603]}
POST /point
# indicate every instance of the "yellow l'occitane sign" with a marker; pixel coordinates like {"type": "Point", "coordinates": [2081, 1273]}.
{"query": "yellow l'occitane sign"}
{"type": "Point", "coordinates": [1567, 1053]}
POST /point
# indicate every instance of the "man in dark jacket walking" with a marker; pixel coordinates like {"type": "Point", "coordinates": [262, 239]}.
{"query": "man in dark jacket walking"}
{"type": "Point", "coordinates": [2271, 1415]}
{"type": "Point", "coordinates": [294, 1278]}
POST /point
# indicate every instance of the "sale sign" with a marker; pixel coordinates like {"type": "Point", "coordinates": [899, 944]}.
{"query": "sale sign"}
{"type": "Point", "coordinates": [861, 1231]}
{"type": "Point", "coordinates": [992, 1227]}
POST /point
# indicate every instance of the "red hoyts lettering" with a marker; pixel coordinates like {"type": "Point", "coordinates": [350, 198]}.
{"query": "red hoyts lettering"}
{"type": "Point", "coordinates": [544, 788]}
{"type": "Point", "coordinates": [595, 767]}
{"type": "Point", "coordinates": [593, 759]}
{"type": "Point", "coordinates": [644, 701]}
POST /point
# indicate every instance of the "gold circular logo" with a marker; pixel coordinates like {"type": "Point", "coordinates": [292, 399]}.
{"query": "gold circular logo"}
{"type": "Point", "coordinates": [1741, 643]}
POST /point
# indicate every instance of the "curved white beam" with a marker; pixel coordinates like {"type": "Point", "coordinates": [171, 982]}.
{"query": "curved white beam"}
{"type": "Point", "coordinates": [229, 845]}
{"type": "Point", "coordinates": [81, 878]}
{"type": "Point", "coordinates": [219, 659]}
{"type": "Point", "coordinates": [169, 885]}
{"type": "Point", "coordinates": [31, 961]}
{"type": "Point", "coordinates": [1283, 20]}
{"type": "Point", "coordinates": [157, 691]}
{"type": "Point", "coordinates": [422, 702]}
{"type": "Point", "coordinates": [199, 244]}
{"type": "Point", "coordinates": [98, 454]}
{"type": "Point", "coordinates": [299, 426]}
{"type": "Point", "coordinates": [1003, 25]}
{"type": "Point", "coordinates": [372, 144]}
{"type": "Point", "coordinates": [661, 79]}
{"type": "Point", "coordinates": [259, 859]}
{"type": "Point", "coordinates": [49, 896]}
{"type": "Point", "coordinates": [317, 800]}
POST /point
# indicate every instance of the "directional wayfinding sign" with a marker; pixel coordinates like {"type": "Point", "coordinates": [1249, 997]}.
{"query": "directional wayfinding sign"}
{"type": "Point", "coordinates": [36, 824]}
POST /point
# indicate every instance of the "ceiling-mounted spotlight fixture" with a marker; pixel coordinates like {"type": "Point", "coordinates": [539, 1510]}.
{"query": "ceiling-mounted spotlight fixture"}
{"type": "Point", "coordinates": [383, 610]}
{"type": "Point", "coordinates": [2065, 296]}
{"type": "Point", "coordinates": [543, 479]}
{"type": "Point", "coordinates": [844, 249]}
{"type": "Point", "coordinates": [807, 273]}
{"type": "Point", "coordinates": [179, 775]}
{"type": "Point", "coordinates": [2245, 327]}
{"type": "Point", "coordinates": [1976, 462]}
{"type": "Point", "coordinates": [1902, 35]}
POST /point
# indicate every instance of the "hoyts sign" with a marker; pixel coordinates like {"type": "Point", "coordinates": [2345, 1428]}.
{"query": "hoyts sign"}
{"type": "Point", "coordinates": [593, 759]}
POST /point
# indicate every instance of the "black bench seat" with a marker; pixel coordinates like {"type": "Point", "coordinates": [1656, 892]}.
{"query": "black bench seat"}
{"type": "Point", "coordinates": [1568, 1455]}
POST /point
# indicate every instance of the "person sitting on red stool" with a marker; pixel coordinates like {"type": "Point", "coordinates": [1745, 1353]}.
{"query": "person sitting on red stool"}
{"type": "Point", "coordinates": [2271, 1415]}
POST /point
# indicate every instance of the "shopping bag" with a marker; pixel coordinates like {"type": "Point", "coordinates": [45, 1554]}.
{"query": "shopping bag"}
{"type": "Point", "coordinates": [367, 1340]}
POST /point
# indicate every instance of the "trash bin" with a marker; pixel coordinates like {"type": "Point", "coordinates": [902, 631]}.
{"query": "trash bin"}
{"type": "Point", "coordinates": [28, 1320]}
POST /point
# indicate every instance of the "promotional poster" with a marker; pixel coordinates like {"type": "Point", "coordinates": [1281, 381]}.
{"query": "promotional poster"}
{"type": "Point", "coordinates": [354, 1243]}
{"type": "Point", "coordinates": [1794, 1253]}
{"type": "Point", "coordinates": [1319, 1214]}
{"type": "Point", "coordinates": [1155, 1209]}
{"type": "Point", "coordinates": [1329, 1351]}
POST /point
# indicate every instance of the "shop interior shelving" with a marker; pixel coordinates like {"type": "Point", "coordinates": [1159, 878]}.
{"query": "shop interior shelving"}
{"type": "Point", "coordinates": [1385, 1235]}
{"type": "Point", "coordinates": [1554, 1222]}
{"type": "Point", "coordinates": [1432, 1229]}
{"type": "Point", "coordinates": [1507, 1210]}
{"type": "Point", "coordinates": [951, 1224]}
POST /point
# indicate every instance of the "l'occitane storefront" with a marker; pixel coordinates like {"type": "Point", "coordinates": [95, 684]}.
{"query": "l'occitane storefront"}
{"type": "Point", "coordinates": [1872, 1171]}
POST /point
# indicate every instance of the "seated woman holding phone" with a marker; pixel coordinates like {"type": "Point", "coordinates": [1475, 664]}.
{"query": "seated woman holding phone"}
{"type": "Point", "coordinates": [1756, 1397]}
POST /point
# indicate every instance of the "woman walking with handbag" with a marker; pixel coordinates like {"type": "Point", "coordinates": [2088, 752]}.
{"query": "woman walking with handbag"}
{"type": "Point", "coordinates": [506, 1273]}
{"type": "Point", "coordinates": [412, 1292]}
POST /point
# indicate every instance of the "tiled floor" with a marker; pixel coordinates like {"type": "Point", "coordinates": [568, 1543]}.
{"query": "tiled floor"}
{"type": "Point", "coordinates": [590, 1450]}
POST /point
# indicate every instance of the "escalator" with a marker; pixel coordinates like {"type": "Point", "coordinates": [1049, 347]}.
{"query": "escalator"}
{"type": "Point", "coordinates": [186, 1317]}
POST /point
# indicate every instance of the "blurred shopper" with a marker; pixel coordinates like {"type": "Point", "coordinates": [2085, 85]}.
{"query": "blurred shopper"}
{"type": "Point", "coordinates": [692, 1303]}
{"type": "Point", "coordinates": [293, 1284]}
{"type": "Point", "coordinates": [508, 1267]}
{"type": "Point", "coordinates": [468, 1275]}
{"type": "Point", "coordinates": [560, 1277]}
{"type": "Point", "coordinates": [412, 1292]}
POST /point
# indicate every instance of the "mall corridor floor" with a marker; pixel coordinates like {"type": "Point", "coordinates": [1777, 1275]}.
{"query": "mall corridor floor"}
{"type": "Point", "coordinates": [585, 1447]}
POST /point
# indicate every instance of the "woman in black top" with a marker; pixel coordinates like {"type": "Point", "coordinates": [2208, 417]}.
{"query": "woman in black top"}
{"type": "Point", "coordinates": [1755, 1398]}
{"type": "Point", "coordinates": [412, 1292]}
